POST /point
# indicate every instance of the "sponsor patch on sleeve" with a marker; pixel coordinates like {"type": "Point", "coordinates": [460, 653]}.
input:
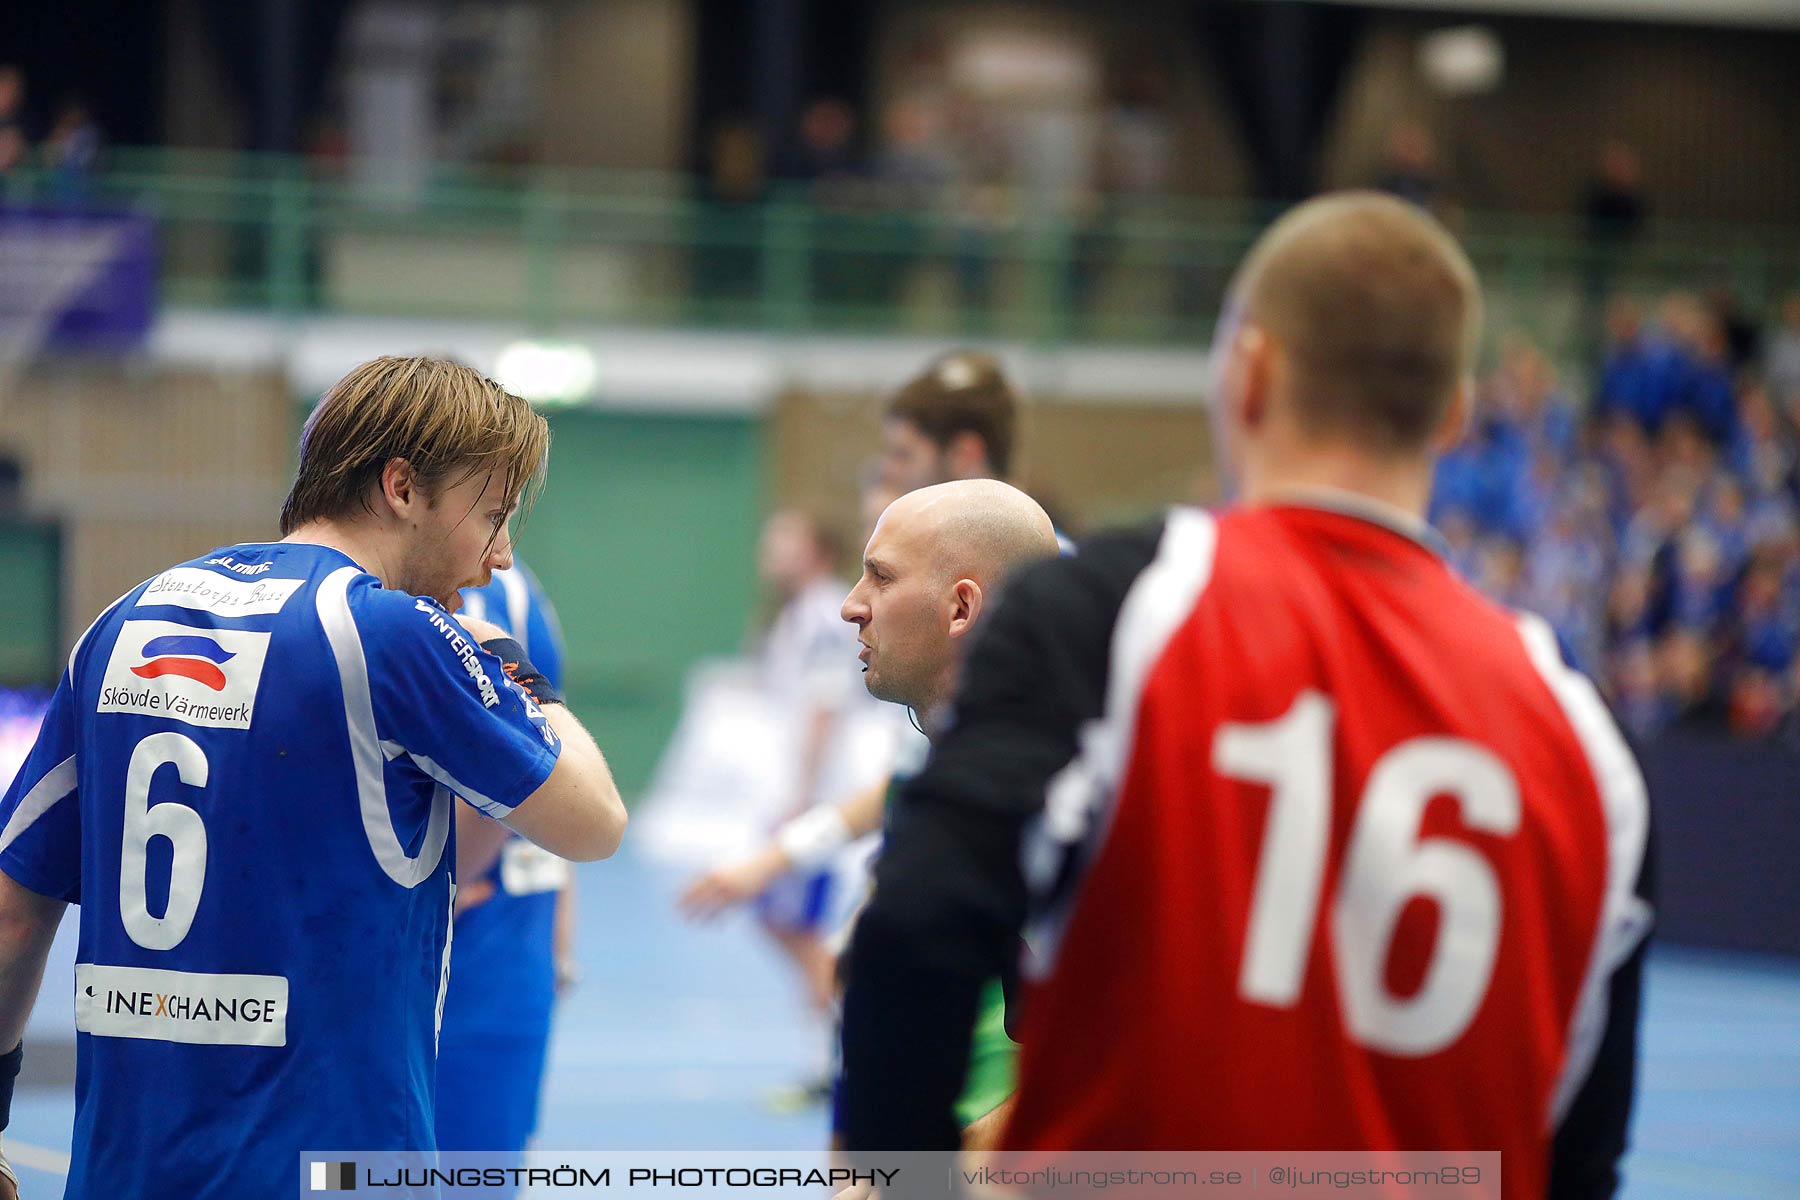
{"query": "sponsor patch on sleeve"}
{"type": "Point", "coordinates": [456, 637]}
{"type": "Point", "coordinates": [197, 676]}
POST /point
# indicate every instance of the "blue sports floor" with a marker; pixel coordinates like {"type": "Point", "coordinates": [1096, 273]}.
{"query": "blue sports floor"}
{"type": "Point", "coordinates": [680, 1034]}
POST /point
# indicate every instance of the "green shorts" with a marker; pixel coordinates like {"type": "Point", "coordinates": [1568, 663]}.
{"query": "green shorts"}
{"type": "Point", "coordinates": [993, 1059]}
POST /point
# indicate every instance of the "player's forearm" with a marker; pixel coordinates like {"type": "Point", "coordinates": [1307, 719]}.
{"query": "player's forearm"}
{"type": "Point", "coordinates": [577, 813]}
{"type": "Point", "coordinates": [861, 813]}
{"type": "Point", "coordinates": [819, 723]}
{"type": "Point", "coordinates": [810, 840]}
{"type": "Point", "coordinates": [27, 927]}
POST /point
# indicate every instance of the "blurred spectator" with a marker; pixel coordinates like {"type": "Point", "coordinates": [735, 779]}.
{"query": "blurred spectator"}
{"type": "Point", "coordinates": [1743, 340]}
{"type": "Point", "coordinates": [1410, 169]}
{"type": "Point", "coordinates": [1707, 392]}
{"type": "Point", "coordinates": [913, 165]}
{"type": "Point", "coordinates": [72, 150]}
{"type": "Point", "coordinates": [1783, 364]}
{"type": "Point", "coordinates": [735, 163]}
{"type": "Point", "coordinates": [1663, 545]}
{"type": "Point", "coordinates": [1762, 454]}
{"type": "Point", "coordinates": [1614, 204]}
{"type": "Point", "coordinates": [1613, 211]}
{"type": "Point", "coordinates": [1641, 378]}
{"type": "Point", "coordinates": [827, 155]}
{"type": "Point", "coordinates": [13, 140]}
{"type": "Point", "coordinates": [1638, 698]}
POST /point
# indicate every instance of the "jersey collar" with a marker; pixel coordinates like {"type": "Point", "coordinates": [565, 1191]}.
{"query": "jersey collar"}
{"type": "Point", "coordinates": [1364, 508]}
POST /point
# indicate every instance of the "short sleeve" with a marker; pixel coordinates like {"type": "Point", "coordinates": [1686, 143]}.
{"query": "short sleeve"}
{"type": "Point", "coordinates": [452, 708]}
{"type": "Point", "coordinates": [40, 819]}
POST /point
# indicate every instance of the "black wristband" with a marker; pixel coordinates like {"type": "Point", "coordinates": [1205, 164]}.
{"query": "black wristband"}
{"type": "Point", "coordinates": [9, 1071]}
{"type": "Point", "coordinates": [520, 670]}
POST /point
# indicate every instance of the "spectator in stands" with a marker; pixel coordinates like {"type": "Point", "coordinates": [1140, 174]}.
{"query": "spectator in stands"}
{"type": "Point", "coordinates": [1613, 210]}
{"type": "Point", "coordinates": [72, 151]}
{"type": "Point", "coordinates": [1530, 402]}
{"type": "Point", "coordinates": [1641, 378]}
{"type": "Point", "coordinates": [1638, 697]}
{"type": "Point", "coordinates": [1614, 205]}
{"type": "Point", "coordinates": [1685, 661]}
{"type": "Point", "coordinates": [1410, 170]}
{"type": "Point", "coordinates": [1782, 367]}
{"type": "Point", "coordinates": [13, 140]}
{"type": "Point", "coordinates": [1702, 591]}
{"type": "Point", "coordinates": [1706, 392]}
{"type": "Point", "coordinates": [1743, 339]}
{"type": "Point", "coordinates": [827, 156]}
{"type": "Point", "coordinates": [1762, 454]}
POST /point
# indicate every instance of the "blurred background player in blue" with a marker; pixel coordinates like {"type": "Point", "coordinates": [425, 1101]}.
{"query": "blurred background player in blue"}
{"type": "Point", "coordinates": [512, 945]}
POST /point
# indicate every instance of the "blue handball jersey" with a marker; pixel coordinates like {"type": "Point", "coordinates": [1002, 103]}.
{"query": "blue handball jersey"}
{"type": "Point", "coordinates": [246, 779]}
{"type": "Point", "coordinates": [503, 968]}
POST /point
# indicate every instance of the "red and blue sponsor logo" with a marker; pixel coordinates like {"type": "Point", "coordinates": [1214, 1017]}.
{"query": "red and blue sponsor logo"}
{"type": "Point", "coordinates": [192, 656]}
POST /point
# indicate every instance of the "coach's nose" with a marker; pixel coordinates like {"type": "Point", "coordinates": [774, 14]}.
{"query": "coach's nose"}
{"type": "Point", "coordinates": [856, 608]}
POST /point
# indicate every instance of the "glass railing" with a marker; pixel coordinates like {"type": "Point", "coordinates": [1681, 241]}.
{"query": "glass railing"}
{"type": "Point", "coordinates": [548, 248]}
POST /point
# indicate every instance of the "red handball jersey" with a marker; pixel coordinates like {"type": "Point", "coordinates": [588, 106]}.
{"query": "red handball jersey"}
{"type": "Point", "coordinates": [1356, 858]}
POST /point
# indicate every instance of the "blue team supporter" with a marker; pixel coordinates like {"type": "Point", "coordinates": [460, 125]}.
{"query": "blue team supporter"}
{"type": "Point", "coordinates": [246, 780]}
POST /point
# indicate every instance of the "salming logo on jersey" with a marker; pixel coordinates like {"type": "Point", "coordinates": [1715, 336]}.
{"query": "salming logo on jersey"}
{"type": "Point", "coordinates": [208, 591]}
{"type": "Point", "coordinates": [232, 564]}
{"type": "Point", "coordinates": [198, 676]}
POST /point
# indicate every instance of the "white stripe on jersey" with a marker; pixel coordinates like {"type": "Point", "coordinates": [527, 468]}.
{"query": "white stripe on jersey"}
{"type": "Point", "coordinates": [57, 784]}
{"type": "Point", "coordinates": [1624, 916]}
{"type": "Point", "coordinates": [365, 744]}
{"type": "Point", "coordinates": [491, 807]}
{"type": "Point", "coordinates": [1079, 800]}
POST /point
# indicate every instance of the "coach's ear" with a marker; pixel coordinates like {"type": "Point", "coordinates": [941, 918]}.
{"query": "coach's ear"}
{"type": "Point", "coordinates": [1457, 418]}
{"type": "Point", "coordinates": [400, 489]}
{"type": "Point", "coordinates": [965, 606]}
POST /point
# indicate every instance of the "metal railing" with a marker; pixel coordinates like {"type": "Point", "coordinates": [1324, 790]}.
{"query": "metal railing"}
{"type": "Point", "coordinates": [547, 248]}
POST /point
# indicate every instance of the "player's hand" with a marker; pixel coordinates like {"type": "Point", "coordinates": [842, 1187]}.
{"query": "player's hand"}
{"type": "Point", "coordinates": [472, 894]}
{"type": "Point", "coordinates": [729, 886]}
{"type": "Point", "coordinates": [480, 630]}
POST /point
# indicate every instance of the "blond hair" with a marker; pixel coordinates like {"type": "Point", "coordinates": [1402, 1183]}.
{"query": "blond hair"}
{"type": "Point", "coordinates": [1377, 309]}
{"type": "Point", "coordinates": [448, 421]}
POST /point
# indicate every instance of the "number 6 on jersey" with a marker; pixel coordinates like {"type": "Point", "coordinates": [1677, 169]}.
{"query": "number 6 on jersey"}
{"type": "Point", "coordinates": [177, 822]}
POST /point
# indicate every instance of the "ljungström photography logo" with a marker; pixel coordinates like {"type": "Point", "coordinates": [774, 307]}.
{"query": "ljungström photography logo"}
{"type": "Point", "coordinates": [334, 1177]}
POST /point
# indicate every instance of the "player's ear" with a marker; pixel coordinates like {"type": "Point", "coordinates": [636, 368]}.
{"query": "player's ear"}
{"type": "Point", "coordinates": [1454, 425]}
{"type": "Point", "coordinates": [965, 606]}
{"type": "Point", "coordinates": [1249, 377]}
{"type": "Point", "coordinates": [400, 489]}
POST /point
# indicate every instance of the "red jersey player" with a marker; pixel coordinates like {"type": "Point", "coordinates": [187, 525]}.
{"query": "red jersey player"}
{"type": "Point", "coordinates": [1329, 852]}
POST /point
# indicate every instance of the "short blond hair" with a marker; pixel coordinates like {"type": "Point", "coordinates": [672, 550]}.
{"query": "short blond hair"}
{"type": "Point", "coordinates": [1377, 309]}
{"type": "Point", "coordinates": [448, 421]}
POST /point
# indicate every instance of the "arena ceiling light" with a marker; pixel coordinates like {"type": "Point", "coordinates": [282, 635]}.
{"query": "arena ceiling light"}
{"type": "Point", "coordinates": [1465, 60]}
{"type": "Point", "coordinates": [547, 373]}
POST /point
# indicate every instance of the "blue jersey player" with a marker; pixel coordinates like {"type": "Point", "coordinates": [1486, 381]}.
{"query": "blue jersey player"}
{"type": "Point", "coordinates": [511, 905]}
{"type": "Point", "coordinates": [246, 779]}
